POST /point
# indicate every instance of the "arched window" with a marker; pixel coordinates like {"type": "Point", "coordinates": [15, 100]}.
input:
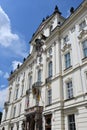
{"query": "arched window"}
{"type": "Point", "coordinates": [50, 69]}
{"type": "Point", "coordinates": [39, 76]}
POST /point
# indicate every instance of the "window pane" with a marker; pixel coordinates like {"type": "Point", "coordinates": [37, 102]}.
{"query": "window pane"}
{"type": "Point", "coordinates": [49, 96]}
{"type": "Point", "coordinates": [85, 48]}
{"type": "Point", "coordinates": [71, 120]}
{"type": "Point", "coordinates": [67, 60]}
{"type": "Point", "coordinates": [69, 90]}
{"type": "Point", "coordinates": [30, 82]}
{"type": "Point", "coordinates": [50, 69]}
{"type": "Point", "coordinates": [39, 76]}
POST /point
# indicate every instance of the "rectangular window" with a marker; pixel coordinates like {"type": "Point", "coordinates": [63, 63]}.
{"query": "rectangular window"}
{"type": "Point", "coordinates": [71, 121]}
{"type": "Point", "coordinates": [39, 76]}
{"type": "Point", "coordinates": [69, 90]}
{"type": "Point", "coordinates": [84, 48]}
{"type": "Point", "coordinates": [22, 88]}
{"type": "Point", "coordinates": [6, 111]}
{"type": "Point", "coordinates": [49, 97]}
{"type": "Point", "coordinates": [67, 60]}
{"type": "Point", "coordinates": [16, 96]}
{"type": "Point", "coordinates": [82, 25]}
{"type": "Point", "coordinates": [19, 108]}
{"type": "Point", "coordinates": [11, 127]}
{"type": "Point", "coordinates": [9, 96]}
{"type": "Point", "coordinates": [14, 111]}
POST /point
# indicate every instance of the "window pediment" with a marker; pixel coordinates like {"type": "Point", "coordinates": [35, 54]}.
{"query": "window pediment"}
{"type": "Point", "coordinates": [65, 47]}
{"type": "Point", "coordinates": [82, 34]}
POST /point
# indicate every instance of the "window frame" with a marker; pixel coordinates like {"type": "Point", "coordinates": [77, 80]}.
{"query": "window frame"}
{"type": "Point", "coordinates": [49, 96]}
{"type": "Point", "coordinates": [66, 61]}
{"type": "Point", "coordinates": [30, 82]}
{"type": "Point", "coordinates": [69, 89]}
{"type": "Point", "coordinates": [84, 56]}
{"type": "Point", "coordinates": [50, 69]}
{"type": "Point", "coordinates": [71, 123]}
{"type": "Point", "coordinates": [39, 75]}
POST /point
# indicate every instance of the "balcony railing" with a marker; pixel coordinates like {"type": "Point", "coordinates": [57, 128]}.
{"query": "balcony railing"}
{"type": "Point", "coordinates": [48, 80]}
{"type": "Point", "coordinates": [37, 84]}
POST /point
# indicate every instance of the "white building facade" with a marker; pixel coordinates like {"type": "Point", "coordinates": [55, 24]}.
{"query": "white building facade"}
{"type": "Point", "coordinates": [49, 90]}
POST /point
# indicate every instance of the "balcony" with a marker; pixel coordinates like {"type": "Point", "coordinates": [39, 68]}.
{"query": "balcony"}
{"type": "Point", "coordinates": [48, 80]}
{"type": "Point", "coordinates": [34, 109]}
{"type": "Point", "coordinates": [37, 84]}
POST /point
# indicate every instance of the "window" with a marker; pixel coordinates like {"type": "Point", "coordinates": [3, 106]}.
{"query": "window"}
{"type": "Point", "coordinates": [69, 90]}
{"type": "Point", "coordinates": [50, 69]}
{"type": "Point", "coordinates": [48, 122]}
{"type": "Point", "coordinates": [50, 51]}
{"type": "Point", "coordinates": [14, 111]}
{"type": "Point", "coordinates": [50, 29]}
{"type": "Point", "coordinates": [18, 126]}
{"type": "Point", "coordinates": [6, 111]}
{"type": "Point", "coordinates": [84, 43]}
{"type": "Point", "coordinates": [66, 39]}
{"type": "Point", "coordinates": [11, 127]}
{"type": "Point", "coordinates": [67, 60]}
{"type": "Point", "coordinates": [30, 82]}
{"type": "Point", "coordinates": [9, 96]}
{"type": "Point", "coordinates": [19, 108]}
{"type": "Point", "coordinates": [16, 96]}
{"type": "Point", "coordinates": [82, 25]}
{"type": "Point", "coordinates": [71, 121]}
{"type": "Point", "coordinates": [40, 59]}
{"type": "Point", "coordinates": [27, 101]}
{"type": "Point", "coordinates": [39, 76]}
{"type": "Point", "coordinates": [49, 97]}
{"type": "Point", "coordinates": [22, 88]}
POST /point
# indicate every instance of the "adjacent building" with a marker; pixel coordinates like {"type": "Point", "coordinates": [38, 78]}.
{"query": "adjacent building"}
{"type": "Point", "coordinates": [49, 90]}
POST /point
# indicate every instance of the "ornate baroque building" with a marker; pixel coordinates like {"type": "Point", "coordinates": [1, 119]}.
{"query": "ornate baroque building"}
{"type": "Point", "coordinates": [49, 90]}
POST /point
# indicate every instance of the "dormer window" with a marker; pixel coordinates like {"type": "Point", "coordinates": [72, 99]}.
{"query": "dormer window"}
{"type": "Point", "coordinates": [82, 25]}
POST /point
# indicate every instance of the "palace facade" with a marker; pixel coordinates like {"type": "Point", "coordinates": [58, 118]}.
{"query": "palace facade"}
{"type": "Point", "coordinates": [49, 90]}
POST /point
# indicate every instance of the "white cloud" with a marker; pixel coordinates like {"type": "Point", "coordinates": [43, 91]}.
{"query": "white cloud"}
{"type": "Point", "coordinates": [15, 63]}
{"type": "Point", "coordinates": [1, 72]}
{"type": "Point", "coordinates": [10, 40]}
{"type": "Point", "coordinates": [3, 95]}
{"type": "Point", "coordinates": [6, 75]}
{"type": "Point", "coordinates": [2, 86]}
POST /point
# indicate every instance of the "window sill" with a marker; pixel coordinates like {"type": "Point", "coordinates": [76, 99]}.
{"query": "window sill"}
{"type": "Point", "coordinates": [84, 59]}
{"type": "Point", "coordinates": [48, 105]}
{"type": "Point", "coordinates": [70, 67]}
{"type": "Point", "coordinates": [69, 99]}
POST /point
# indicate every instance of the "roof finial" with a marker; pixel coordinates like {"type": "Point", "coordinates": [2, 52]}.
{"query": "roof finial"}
{"type": "Point", "coordinates": [57, 10]}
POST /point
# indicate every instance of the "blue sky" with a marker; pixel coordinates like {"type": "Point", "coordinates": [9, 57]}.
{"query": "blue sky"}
{"type": "Point", "coordinates": [18, 21]}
